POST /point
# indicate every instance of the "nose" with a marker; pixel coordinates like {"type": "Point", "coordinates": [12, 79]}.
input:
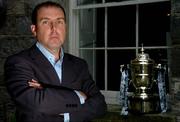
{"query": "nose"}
{"type": "Point", "coordinates": [53, 25]}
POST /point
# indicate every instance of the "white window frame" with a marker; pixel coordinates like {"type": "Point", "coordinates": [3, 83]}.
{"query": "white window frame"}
{"type": "Point", "coordinates": [112, 97]}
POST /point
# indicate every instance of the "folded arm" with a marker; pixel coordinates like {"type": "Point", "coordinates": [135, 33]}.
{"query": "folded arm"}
{"type": "Point", "coordinates": [35, 95]}
{"type": "Point", "coordinates": [35, 84]}
{"type": "Point", "coordinates": [49, 100]}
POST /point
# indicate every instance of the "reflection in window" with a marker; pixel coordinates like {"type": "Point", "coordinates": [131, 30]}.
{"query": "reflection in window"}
{"type": "Point", "coordinates": [91, 28]}
{"type": "Point", "coordinates": [96, 62]}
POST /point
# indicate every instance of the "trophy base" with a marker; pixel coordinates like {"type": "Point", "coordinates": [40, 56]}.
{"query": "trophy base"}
{"type": "Point", "coordinates": [138, 105]}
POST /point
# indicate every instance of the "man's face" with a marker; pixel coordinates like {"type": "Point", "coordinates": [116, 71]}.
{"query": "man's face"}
{"type": "Point", "coordinates": [50, 29]}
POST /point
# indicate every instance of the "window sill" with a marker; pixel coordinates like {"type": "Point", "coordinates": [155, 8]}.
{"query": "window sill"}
{"type": "Point", "coordinates": [113, 115]}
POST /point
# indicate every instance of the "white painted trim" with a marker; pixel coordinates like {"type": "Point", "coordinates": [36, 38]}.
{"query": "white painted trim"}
{"type": "Point", "coordinates": [73, 29]}
{"type": "Point", "coordinates": [106, 54]}
{"type": "Point", "coordinates": [122, 3]}
{"type": "Point", "coordinates": [137, 28]}
{"type": "Point", "coordinates": [111, 97]}
{"type": "Point", "coordinates": [123, 48]}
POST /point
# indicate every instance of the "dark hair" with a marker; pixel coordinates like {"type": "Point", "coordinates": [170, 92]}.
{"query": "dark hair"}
{"type": "Point", "coordinates": [45, 4]}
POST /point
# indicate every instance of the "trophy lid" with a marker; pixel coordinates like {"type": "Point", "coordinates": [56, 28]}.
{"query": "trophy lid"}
{"type": "Point", "coordinates": [142, 57]}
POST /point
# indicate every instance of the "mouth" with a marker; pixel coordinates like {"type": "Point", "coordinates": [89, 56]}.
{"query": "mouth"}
{"type": "Point", "coordinates": [53, 36]}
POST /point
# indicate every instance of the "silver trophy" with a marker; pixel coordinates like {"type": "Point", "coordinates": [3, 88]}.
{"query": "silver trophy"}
{"type": "Point", "coordinates": [142, 88]}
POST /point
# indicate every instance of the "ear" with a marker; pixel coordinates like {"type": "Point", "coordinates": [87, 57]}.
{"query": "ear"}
{"type": "Point", "coordinates": [33, 29]}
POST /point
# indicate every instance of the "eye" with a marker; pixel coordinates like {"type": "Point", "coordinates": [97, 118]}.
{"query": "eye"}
{"type": "Point", "coordinates": [60, 21]}
{"type": "Point", "coordinates": [45, 22]}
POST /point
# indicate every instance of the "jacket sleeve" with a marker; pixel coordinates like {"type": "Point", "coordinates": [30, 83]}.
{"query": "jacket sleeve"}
{"type": "Point", "coordinates": [49, 100]}
{"type": "Point", "coordinates": [95, 104]}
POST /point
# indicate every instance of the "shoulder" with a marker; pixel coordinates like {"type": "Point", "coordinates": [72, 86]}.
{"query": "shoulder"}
{"type": "Point", "coordinates": [74, 60]}
{"type": "Point", "coordinates": [71, 57]}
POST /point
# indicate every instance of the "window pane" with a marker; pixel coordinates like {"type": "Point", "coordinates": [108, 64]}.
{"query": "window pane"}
{"type": "Point", "coordinates": [121, 26]}
{"type": "Point", "coordinates": [115, 59]}
{"type": "Point", "coordinates": [85, 2]}
{"type": "Point", "coordinates": [100, 27]}
{"type": "Point", "coordinates": [158, 55]}
{"type": "Point", "coordinates": [154, 23]}
{"type": "Point", "coordinates": [90, 57]}
{"type": "Point", "coordinates": [91, 28]}
{"type": "Point", "coordinates": [100, 69]}
{"type": "Point", "coordinates": [95, 60]}
{"type": "Point", "coordinates": [115, 0]}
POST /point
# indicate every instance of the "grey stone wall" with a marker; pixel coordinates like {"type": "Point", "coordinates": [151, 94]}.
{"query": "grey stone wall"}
{"type": "Point", "coordinates": [15, 35]}
{"type": "Point", "coordinates": [175, 57]}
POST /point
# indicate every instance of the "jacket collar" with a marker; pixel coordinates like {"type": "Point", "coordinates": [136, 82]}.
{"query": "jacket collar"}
{"type": "Point", "coordinates": [44, 66]}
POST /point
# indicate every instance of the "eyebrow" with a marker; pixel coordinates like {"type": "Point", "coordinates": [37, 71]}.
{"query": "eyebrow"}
{"type": "Point", "coordinates": [46, 18]}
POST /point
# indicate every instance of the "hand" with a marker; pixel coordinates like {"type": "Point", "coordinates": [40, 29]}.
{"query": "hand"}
{"type": "Point", "coordinates": [82, 94]}
{"type": "Point", "coordinates": [33, 83]}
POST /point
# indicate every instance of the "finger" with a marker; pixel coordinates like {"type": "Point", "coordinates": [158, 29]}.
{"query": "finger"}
{"type": "Point", "coordinates": [34, 84]}
{"type": "Point", "coordinates": [34, 81]}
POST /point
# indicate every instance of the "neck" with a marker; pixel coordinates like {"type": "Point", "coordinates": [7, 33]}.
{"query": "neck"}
{"type": "Point", "coordinates": [56, 53]}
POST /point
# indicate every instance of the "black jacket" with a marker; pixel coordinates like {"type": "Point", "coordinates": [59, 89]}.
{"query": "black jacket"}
{"type": "Point", "coordinates": [45, 105]}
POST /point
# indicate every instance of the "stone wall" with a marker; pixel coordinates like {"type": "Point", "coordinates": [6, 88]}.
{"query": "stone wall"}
{"type": "Point", "coordinates": [175, 57]}
{"type": "Point", "coordinates": [15, 35]}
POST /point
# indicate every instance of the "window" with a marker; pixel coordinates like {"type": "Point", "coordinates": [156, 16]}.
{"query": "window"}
{"type": "Point", "coordinates": [109, 33]}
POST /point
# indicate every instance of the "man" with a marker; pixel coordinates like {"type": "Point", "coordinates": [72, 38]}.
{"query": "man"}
{"type": "Point", "coordinates": [46, 84]}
